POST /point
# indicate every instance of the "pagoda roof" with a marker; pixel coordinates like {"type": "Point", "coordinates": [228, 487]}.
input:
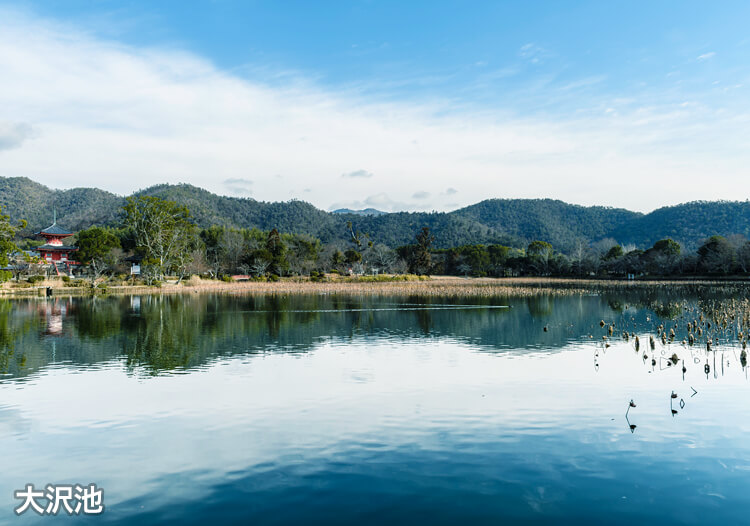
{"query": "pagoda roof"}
{"type": "Point", "coordinates": [55, 230]}
{"type": "Point", "coordinates": [66, 248]}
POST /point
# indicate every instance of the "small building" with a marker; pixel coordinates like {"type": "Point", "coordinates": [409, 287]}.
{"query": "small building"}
{"type": "Point", "coordinates": [54, 252]}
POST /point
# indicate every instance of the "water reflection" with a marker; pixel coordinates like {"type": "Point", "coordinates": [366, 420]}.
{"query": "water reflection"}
{"type": "Point", "coordinates": [340, 410]}
{"type": "Point", "coordinates": [157, 334]}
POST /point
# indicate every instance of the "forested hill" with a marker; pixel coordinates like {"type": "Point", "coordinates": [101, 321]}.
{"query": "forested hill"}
{"type": "Point", "coordinates": [687, 223]}
{"type": "Point", "coordinates": [547, 219]}
{"type": "Point", "coordinates": [506, 221]}
{"type": "Point", "coordinates": [77, 208]}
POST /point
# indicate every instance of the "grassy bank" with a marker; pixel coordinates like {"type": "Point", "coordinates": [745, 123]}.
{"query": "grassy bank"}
{"type": "Point", "coordinates": [433, 286]}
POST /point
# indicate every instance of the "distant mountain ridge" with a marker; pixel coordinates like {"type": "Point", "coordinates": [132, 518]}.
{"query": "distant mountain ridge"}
{"type": "Point", "coordinates": [512, 222]}
{"type": "Point", "coordinates": [363, 212]}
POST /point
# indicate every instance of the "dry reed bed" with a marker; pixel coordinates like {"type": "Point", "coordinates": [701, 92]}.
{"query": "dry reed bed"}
{"type": "Point", "coordinates": [428, 288]}
{"type": "Point", "coordinates": [436, 286]}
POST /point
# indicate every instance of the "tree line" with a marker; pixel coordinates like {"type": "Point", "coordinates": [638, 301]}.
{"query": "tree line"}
{"type": "Point", "coordinates": [162, 237]}
{"type": "Point", "coordinates": [716, 256]}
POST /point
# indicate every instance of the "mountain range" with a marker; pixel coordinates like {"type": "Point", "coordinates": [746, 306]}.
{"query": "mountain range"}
{"type": "Point", "coordinates": [363, 212]}
{"type": "Point", "coordinates": [512, 222]}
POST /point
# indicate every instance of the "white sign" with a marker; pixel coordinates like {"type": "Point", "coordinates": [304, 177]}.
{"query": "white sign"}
{"type": "Point", "coordinates": [135, 270]}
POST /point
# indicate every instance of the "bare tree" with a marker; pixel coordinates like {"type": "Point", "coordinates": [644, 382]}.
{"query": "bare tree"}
{"type": "Point", "coordinates": [578, 256]}
{"type": "Point", "coordinates": [198, 263]}
{"type": "Point", "coordinates": [383, 258]}
{"type": "Point", "coordinates": [400, 266]}
{"type": "Point", "coordinates": [233, 247]}
{"type": "Point", "coordinates": [743, 257]}
{"type": "Point", "coordinates": [162, 230]}
{"type": "Point", "coordinates": [603, 245]}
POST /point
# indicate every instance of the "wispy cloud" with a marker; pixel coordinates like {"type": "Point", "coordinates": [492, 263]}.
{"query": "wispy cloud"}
{"type": "Point", "coordinates": [358, 174]}
{"type": "Point", "coordinates": [13, 134]}
{"type": "Point", "coordinates": [706, 56]}
{"type": "Point", "coordinates": [533, 53]}
{"type": "Point", "coordinates": [239, 185]}
{"type": "Point", "coordinates": [123, 117]}
{"type": "Point", "coordinates": [420, 195]}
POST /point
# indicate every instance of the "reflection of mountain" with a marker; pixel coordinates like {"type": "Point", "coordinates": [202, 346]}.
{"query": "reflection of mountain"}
{"type": "Point", "coordinates": [161, 333]}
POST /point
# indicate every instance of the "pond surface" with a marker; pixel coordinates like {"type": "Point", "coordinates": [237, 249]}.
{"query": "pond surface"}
{"type": "Point", "coordinates": [338, 410]}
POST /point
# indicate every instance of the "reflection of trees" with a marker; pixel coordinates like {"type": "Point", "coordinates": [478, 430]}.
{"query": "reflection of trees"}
{"type": "Point", "coordinates": [98, 318]}
{"type": "Point", "coordinates": [424, 320]}
{"type": "Point", "coordinates": [12, 327]}
{"type": "Point", "coordinates": [162, 336]}
{"type": "Point", "coordinates": [668, 311]}
{"type": "Point", "coordinates": [540, 306]}
{"type": "Point", "coordinates": [161, 333]}
{"type": "Point", "coordinates": [274, 314]}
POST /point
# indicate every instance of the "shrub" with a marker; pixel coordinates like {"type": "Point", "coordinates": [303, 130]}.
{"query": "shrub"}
{"type": "Point", "coordinates": [35, 279]}
{"type": "Point", "coordinates": [227, 278]}
{"type": "Point", "coordinates": [65, 279]}
{"type": "Point", "coordinates": [273, 277]}
{"type": "Point", "coordinates": [193, 281]}
{"type": "Point", "coordinates": [5, 275]}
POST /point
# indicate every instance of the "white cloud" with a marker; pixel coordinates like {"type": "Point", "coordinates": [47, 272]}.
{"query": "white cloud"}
{"type": "Point", "coordinates": [533, 53]}
{"type": "Point", "coordinates": [358, 174]}
{"type": "Point", "coordinates": [13, 134]}
{"type": "Point", "coordinates": [239, 186]}
{"type": "Point", "coordinates": [121, 118]}
{"type": "Point", "coordinates": [706, 56]}
{"type": "Point", "coordinates": [420, 195]}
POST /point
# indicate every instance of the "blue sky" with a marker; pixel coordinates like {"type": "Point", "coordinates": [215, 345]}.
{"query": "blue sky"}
{"type": "Point", "coordinates": [397, 105]}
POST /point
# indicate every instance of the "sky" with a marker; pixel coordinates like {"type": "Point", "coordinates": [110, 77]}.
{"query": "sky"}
{"type": "Point", "coordinates": [420, 105]}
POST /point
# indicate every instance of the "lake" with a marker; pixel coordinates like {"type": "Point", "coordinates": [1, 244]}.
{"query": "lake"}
{"type": "Point", "coordinates": [323, 409]}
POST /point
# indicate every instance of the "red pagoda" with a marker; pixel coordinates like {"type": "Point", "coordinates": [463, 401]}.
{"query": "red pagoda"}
{"type": "Point", "coordinates": [53, 251]}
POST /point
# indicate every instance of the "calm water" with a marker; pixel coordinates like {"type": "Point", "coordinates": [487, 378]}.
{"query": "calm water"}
{"type": "Point", "coordinates": [338, 410]}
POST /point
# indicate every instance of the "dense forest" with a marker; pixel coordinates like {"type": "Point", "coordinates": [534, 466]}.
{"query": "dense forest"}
{"type": "Point", "coordinates": [509, 222]}
{"type": "Point", "coordinates": [166, 238]}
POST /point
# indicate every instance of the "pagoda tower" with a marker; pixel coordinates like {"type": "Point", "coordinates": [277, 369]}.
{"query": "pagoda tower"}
{"type": "Point", "coordinates": [53, 251]}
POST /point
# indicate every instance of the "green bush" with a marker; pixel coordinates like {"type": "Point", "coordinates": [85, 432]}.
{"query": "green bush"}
{"type": "Point", "coordinates": [35, 279]}
{"type": "Point", "coordinates": [227, 278]}
{"type": "Point", "coordinates": [273, 277]}
{"type": "Point", "coordinates": [5, 275]}
{"type": "Point", "coordinates": [65, 279]}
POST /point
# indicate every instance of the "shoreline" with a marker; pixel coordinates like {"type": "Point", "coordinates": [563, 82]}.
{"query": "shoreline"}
{"type": "Point", "coordinates": [434, 286]}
